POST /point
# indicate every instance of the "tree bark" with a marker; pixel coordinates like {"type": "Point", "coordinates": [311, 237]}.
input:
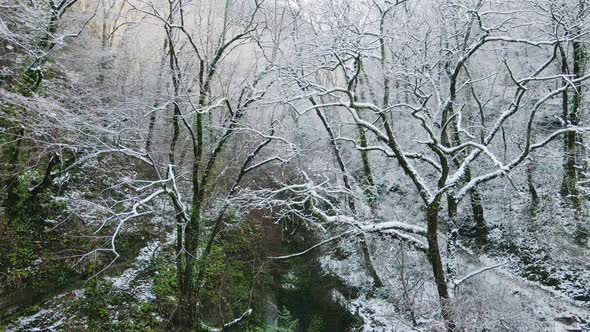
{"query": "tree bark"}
{"type": "Point", "coordinates": [434, 257]}
{"type": "Point", "coordinates": [571, 117]}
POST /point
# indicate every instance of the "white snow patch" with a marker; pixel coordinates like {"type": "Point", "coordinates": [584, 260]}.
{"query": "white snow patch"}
{"type": "Point", "coordinates": [123, 282]}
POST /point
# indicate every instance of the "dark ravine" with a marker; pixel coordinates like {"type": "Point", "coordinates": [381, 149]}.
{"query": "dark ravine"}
{"type": "Point", "coordinates": [301, 287]}
{"type": "Point", "coordinates": [312, 299]}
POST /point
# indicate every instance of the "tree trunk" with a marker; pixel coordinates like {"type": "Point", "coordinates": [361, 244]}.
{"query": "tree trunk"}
{"type": "Point", "coordinates": [532, 191]}
{"type": "Point", "coordinates": [481, 228]}
{"type": "Point", "coordinates": [452, 207]}
{"type": "Point", "coordinates": [569, 174]}
{"type": "Point", "coordinates": [571, 117]}
{"type": "Point", "coordinates": [369, 183]}
{"type": "Point", "coordinates": [152, 123]}
{"type": "Point", "coordinates": [574, 141]}
{"type": "Point", "coordinates": [435, 260]}
{"type": "Point", "coordinates": [377, 282]}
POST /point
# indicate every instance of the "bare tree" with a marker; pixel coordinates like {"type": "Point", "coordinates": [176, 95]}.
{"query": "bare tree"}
{"type": "Point", "coordinates": [441, 168]}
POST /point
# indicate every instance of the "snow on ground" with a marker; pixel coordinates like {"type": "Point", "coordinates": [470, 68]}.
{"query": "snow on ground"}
{"type": "Point", "coordinates": [555, 310]}
{"type": "Point", "coordinates": [146, 254]}
{"type": "Point", "coordinates": [128, 280]}
{"type": "Point", "coordinates": [496, 300]}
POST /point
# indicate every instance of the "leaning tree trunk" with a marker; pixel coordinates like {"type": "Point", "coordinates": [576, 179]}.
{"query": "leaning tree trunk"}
{"type": "Point", "coordinates": [363, 242]}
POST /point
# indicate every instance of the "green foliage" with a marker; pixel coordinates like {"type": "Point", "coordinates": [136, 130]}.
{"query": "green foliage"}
{"type": "Point", "coordinates": [286, 321]}
{"type": "Point", "coordinates": [26, 249]}
{"type": "Point", "coordinates": [316, 324]}
{"type": "Point", "coordinates": [165, 286]}
{"type": "Point", "coordinates": [93, 304]}
{"type": "Point", "coordinates": [165, 282]}
{"type": "Point", "coordinates": [138, 318]}
{"type": "Point", "coordinates": [32, 310]}
{"type": "Point", "coordinates": [53, 275]}
{"type": "Point", "coordinates": [29, 82]}
{"type": "Point", "coordinates": [228, 282]}
{"type": "Point", "coordinates": [105, 309]}
{"type": "Point", "coordinates": [237, 277]}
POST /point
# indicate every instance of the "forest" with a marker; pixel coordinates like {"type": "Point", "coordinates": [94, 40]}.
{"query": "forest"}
{"type": "Point", "coordinates": [295, 165]}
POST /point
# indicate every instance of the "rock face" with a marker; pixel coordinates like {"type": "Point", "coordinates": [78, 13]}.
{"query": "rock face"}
{"type": "Point", "coordinates": [271, 311]}
{"type": "Point", "coordinates": [51, 318]}
{"type": "Point", "coordinates": [571, 323]}
{"type": "Point", "coordinates": [13, 301]}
